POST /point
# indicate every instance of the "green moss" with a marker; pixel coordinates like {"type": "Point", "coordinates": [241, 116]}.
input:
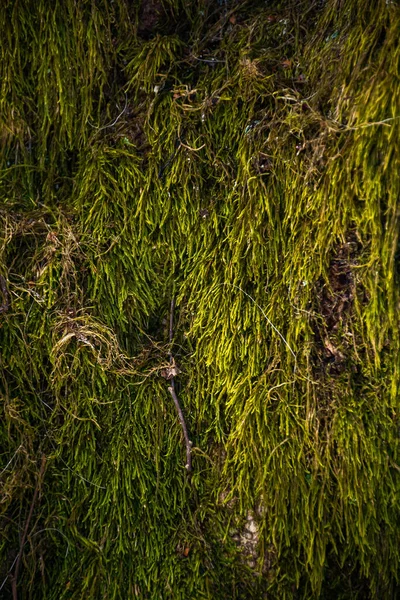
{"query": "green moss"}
{"type": "Point", "coordinates": [243, 159]}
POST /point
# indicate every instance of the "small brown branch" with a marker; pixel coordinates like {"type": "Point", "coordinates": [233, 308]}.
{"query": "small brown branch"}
{"type": "Point", "coordinates": [5, 305]}
{"type": "Point", "coordinates": [172, 391]}
{"type": "Point", "coordinates": [14, 580]}
{"type": "Point", "coordinates": [188, 443]}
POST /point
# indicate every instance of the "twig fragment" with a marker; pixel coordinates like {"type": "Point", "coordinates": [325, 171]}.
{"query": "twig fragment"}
{"type": "Point", "coordinates": [188, 443]}
{"type": "Point", "coordinates": [5, 305]}
{"type": "Point", "coordinates": [171, 389]}
{"type": "Point", "coordinates": [14, 579]}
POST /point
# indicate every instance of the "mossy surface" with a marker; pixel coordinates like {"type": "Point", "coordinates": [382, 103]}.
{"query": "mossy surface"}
{"type": "Point", "coordinates": [243, 159]}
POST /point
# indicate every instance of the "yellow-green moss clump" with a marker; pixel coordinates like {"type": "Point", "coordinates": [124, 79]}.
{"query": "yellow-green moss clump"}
{"type": "Point", "coordinates": [243, 159]}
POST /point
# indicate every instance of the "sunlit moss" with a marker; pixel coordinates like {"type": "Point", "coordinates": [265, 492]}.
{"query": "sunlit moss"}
{"type": "Point", "coordinates": [241, 157]}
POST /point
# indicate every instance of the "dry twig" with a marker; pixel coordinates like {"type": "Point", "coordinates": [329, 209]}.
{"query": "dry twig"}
{"type": "Point", "coordinates": [5, 305]}
{"type": "Point", "coordinates": [14, 579]}
{"type": "Point", "coordinates": [172, 391]}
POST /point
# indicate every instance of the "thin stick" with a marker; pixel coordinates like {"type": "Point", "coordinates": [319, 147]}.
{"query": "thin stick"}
{"type": "Point", "coordinates": [35, 495]}
{"type": "Point", "coordinates": [6, 297]}
{"type": "Point", "coordinates": [36, 533]}
{"type": "Point", "coordinates": [172, 391]}
{"type": "Point", "coordinates": [188, 443]}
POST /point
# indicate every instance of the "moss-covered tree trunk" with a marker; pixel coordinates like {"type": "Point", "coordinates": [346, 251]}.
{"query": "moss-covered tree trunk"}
{"type": "Point", "coordinates": [238, 161]}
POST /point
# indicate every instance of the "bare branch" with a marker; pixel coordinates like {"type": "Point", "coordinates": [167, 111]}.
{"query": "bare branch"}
{"type": "Point", "coordinates": [6, 296]}
{"type": "Point", "coordinates": [188, 443]}
{"type": "Point", "coordinates": [172, 391]}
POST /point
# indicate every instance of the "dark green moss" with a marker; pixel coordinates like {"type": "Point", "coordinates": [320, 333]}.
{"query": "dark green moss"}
{"type": "Point", "coordinates": [241, 157]}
